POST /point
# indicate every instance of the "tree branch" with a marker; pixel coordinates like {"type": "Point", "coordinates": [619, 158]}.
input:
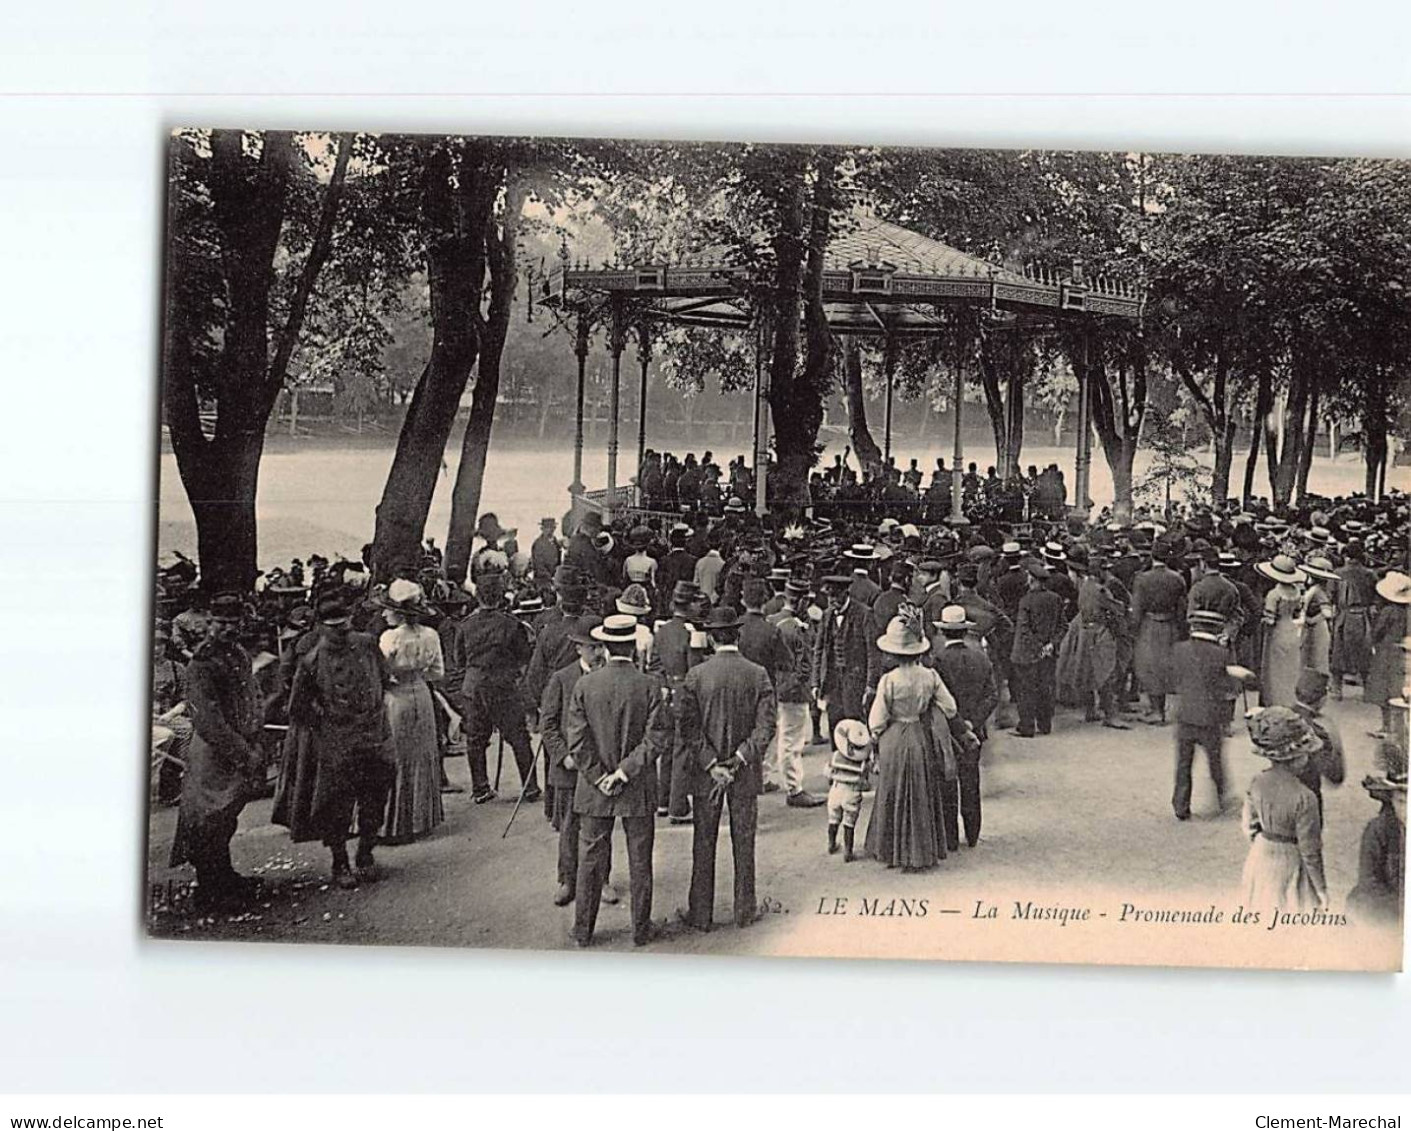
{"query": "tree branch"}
{"type": "Point", "coordinates": [318, 255]}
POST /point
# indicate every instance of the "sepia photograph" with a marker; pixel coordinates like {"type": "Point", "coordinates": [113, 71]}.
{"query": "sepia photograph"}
{"type": "Point", "coordinates": [780, 550]}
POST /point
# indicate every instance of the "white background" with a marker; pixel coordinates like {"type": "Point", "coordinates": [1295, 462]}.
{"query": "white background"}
{"type": "Point", "coordinates": [86, 93]}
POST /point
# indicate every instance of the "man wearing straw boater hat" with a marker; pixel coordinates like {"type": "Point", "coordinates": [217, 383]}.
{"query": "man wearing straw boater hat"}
{"type": "Point", "coordinates": [970, 678]}
{"type": "Point", "coordinates": [1205, 683]}
{"type": "Point", "coordinates": [727, 725]}
{"type": "Point", "coordinates": [861, 557]}
{"type": "Point", "coordinates": [617, 730]}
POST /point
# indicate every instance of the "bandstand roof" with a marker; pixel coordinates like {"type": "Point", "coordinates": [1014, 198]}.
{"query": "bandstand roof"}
{"type": "Point", "coordinates": [878, 278]}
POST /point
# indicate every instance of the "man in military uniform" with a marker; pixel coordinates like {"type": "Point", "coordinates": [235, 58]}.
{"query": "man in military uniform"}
{"type": "Point", "coordinates": [496, 649]}
{"type": "Point", "coordinates": [1158, 614]}
{"type": "Point", "coordinates": [334, 750]}
{"type": "Point", "coordinates": [1037, 632]}
{"type": "Point", "coordinates": [222, 758]}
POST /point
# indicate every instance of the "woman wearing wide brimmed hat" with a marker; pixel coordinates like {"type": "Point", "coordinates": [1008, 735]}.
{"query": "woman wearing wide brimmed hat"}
{"type": "Point", "coordinates": [1283, 630]}
{"type": "Point", "coordinates": [909, 718]}
{"type": "Point", "coordinates": [413, 654]}
{"type": "Point", "coordinates": [1380, 895]}
{"type": "Point", "coordinates": [1284, 868]}
{"type": "Point", "coordinates": [1387, 673]}
{"type": "Point", "coordinates": [1318, 613]}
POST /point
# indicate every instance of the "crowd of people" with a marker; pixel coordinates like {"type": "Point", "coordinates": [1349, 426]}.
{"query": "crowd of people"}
{"type": "Point", "coordinates": [668, 484]}
{"type": "Point", "coordinates": [674, 666]}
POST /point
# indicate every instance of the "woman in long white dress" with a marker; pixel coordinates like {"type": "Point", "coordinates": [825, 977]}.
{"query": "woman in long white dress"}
{"type": "Point", "coordinates": [1284, 868]}
{"type": "Point", "coordinates": [413, 653]}
{"type": "Point", "coordinates": [1283, 631]}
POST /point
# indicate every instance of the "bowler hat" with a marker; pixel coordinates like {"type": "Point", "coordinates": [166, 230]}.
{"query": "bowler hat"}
{"type": "Point", "coordinates": [722, 618]}
{"type": "Point", "coordinates": [581, 631]}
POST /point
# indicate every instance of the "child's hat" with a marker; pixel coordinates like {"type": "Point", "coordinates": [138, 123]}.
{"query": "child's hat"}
{"type": "Point", "coordinates": [852, 739]}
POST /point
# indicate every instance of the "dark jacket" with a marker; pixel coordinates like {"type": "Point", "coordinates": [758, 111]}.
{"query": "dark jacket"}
{"type": "Point", "coordinates": [760, 644]}
{"type": "Point", "coordinates": [1040, 622]}
{"type": "Point", "coordinates": [727, 714]}
{"type": "Point", "coordinates": [552, 650]}
{"type": "Point", "coordinates": [848, 652]}
{"type": "Point", "coordinates": [553, 719]}
{"type": "Point", "coordinates": [970, 678]}
{"type": "Point", "coordinates": [494, 647]}
{"type": "Point", "coordinates": [1204, 687]}
{"type": "Point", "coordinates": [792, 683]}
{"type": "Point", "coordinates": [615, 719]}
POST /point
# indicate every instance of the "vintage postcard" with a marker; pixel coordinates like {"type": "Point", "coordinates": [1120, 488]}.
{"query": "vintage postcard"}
{"type": "Point", "coordinates": [747, 549]}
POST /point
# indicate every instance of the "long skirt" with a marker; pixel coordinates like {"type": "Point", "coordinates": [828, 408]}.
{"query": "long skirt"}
{"type": "Point", "coordinates": [1282, 660]}
{"type": "Point", "coordinates": [415, 805]}
{"type": "Point", "coordinates": [1151, 659]}
{"type": "Point", "coordinates": [1274, 877]}
{"type": "Point", "coordinates": [904, 830]}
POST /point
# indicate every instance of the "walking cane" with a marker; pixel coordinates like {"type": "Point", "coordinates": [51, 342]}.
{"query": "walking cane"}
{"type": "Point", "coordinates": [499, 762]}
{"type": "Point", "coordinates": [524, 788]}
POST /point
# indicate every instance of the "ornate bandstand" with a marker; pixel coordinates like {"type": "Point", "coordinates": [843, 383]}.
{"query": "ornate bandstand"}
{"type": "Point", "coordinates": [879, 281]}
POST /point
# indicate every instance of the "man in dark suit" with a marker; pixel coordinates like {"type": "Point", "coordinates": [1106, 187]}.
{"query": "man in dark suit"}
{"type": "Point", "coordinates": [727, 725]}
{"type": "Point", "coordinates": [560, 766]}
{"type": "Point", "coordinates": [1037, 632]}
{"type": "Point", "coordinates": [679, 564]}
{"type": "Point", "coordinates": [671, 646]}
{"type": "Point", "coordinates": [970, 677]}
{"type": "Point", "coordinates": [846, 663]}
{"type": "Point", "coordinates": [1205, 688]}
{"type": "Point", "coordinates": [545, 554]}
{"type": "Point", "coordinates": [617, 728]}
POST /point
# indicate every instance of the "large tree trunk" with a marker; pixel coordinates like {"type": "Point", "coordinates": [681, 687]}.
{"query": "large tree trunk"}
{"type": "Point", "coordinates": [1263, 405]}
{"type": "Point", "coordinates": [221, 472]}
{"type": "Point", "coordinates": [1014, 404]}
{"type": "Point", "coordinates": [994, 403]}
{"type": "Point", "coordinates": [1285, 475]}
{"type": "Point", "coordinates": [1224, 461]}
{"type": "Point", "coordinates": [869, 455]}
{"type": "Point", "coordinates": [1374, 430]}
{"type": "Point", "coordinates": [475, 445]}
{"type": "Point", "coordinates": [1118, 414]}
{"type": "Point", "coordinates": [1310, 441]}
{"type": "Point", "coordinates": [794, 440]}
{"type": "Point", "coordinates": [455, 212]}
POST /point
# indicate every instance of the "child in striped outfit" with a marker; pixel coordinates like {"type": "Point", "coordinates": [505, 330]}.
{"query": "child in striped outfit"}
{"type": "Point", "coordinates": [847, 779]}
